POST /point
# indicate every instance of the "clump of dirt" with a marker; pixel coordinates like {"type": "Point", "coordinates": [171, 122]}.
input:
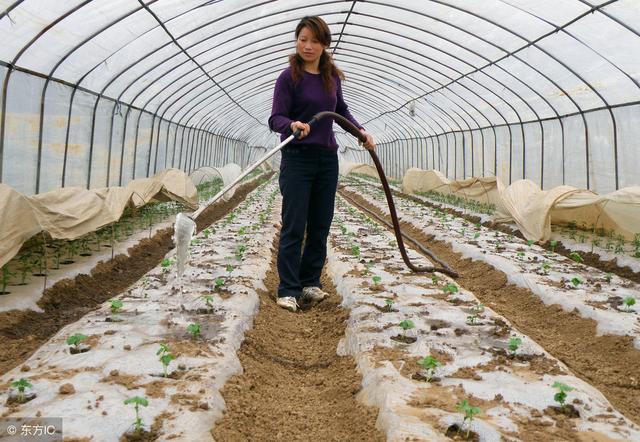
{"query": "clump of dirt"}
{"type": "Point", "coordinates": [610, 363]}
{"type": "Point", "coordinates": [23, 331]}
{"type": "Point", "coordinates": [295, 387]}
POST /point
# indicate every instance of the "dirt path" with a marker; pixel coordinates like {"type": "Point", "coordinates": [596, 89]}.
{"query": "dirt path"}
{"type": "Point", "coordinates": [294, 386]}
{"type": "Point", "coordinates": [609, 363]}
{"type": "Point", "coordinates": [23, 331]}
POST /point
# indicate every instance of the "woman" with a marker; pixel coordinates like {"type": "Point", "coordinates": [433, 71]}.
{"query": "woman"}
{"type": "Point", "coordinates": [309, 166]}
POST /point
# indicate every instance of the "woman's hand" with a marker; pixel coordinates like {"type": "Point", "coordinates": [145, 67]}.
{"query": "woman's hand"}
{"type": "Point", "coordinates": [369, 144]}
{"type": "Point", "coordinates": [304, 128]}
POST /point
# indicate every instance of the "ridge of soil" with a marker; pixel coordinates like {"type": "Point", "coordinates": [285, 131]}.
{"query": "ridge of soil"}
{"type": "Point", "coordinates": [591, 259]}
{"type": "Point", "coordinates": [24, 331]}
{"type": "Point", "coordinates": [608, 362]}
{"type": "Point", "coordinates": [294, 386]}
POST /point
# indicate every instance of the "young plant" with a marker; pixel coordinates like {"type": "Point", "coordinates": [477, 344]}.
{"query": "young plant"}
{"type": "Point", "coordinates": [530, 242]}
{"type": "Point", "coordinates": [376, 280]}
{"type": "Point", "coordinates": [21, 385]}
{"type": "Point", "coordinates": [450, 289]}
{"type": "Point", "coordinates": [5, 277]}
{"type": "Point", "coordinates": [435, 279]}
{"type": "Point", "coordinates": [406, 324]}
{"type": "Point", "coordinates": [229, 268]}
{"type": "Point", "coordinates": [194, 329]}
{"type": "Point", "coordinates": [206, 232]}
{"type": "Point", "coordinates": [477, 308]}
{"type": "Point", "coordinates": [165, 264]}
{"type": "Point", "coordinates": [137, 400]}
{"type": "Point", "coordinates": [219, 282]}
{"type": "Point", "coordinates": [208, 299]}
{"type": "Point", "coordinates": [514, 344]}
{"type": "Point", "coordinates": [575, 256]}
{"type": "Point", "coordinates": [115, 305]}
{"type": "Point", "coordinates": [355, 250]}
{"type": "Point", "coordinates": [472, 319]}
{"type": "Point", "coordinates": [576, 281]}
{"type": "Point", "coordinates": [561, 395]}
{"type": "Point", "coordinates": [476, 235]}
{"type": "Point", "coordinates": [608, 278]}
{"type": "Point", "coordinates": [468, 411]}
{"type": "Point", "coordinates": [165, 357]}
{"type": "Point", "coordinates": [553, 244]}
{"type": "Point", "coordinates": [430, 364]}
{"type": "Point", "coordinates": [75, 340]}
{"type": "Point", "coordinates": [544, 267]}
{"type": "Point", "coordinates": [520, 256]}
{"type": "Point", "coordinates": [388, 304]}
{"type": "Point", "coordinates": [629, 302]}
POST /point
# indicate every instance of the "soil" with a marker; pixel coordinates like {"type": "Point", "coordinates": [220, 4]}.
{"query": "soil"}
{"type": "Point", "coordinates": [295, 387]}
{"type": "Point", "coordinates": [24, 331]}
{"type": "Point", "coordinates": [609, 363]}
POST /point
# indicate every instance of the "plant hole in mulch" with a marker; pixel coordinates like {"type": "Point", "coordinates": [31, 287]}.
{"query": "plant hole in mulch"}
{"type": "Point", "coordinates": [5, 293]}
{"type": "Point", "coordinates": [422, 378]}
{"type": "Point", "coordinates": [80, 349]}
{"type": "Point", "coordinates": [139, 436]}
{"type": "Point", "coordinates": [456, 433]}
{"type": "Point", "coordinates": [568, 410]}
{"type": "Point", "coordinates": [175, 374]}
{"type": "Point", "coordinates": [404, 339]}
{"type": "Point", "coordinates": [13, 398]}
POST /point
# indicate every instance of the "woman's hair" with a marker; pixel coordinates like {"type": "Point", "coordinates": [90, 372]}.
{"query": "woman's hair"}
{"type": "Point", "coordinates": [327, 69]}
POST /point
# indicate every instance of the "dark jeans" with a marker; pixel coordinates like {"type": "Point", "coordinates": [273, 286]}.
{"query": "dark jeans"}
{"type": "Point", "coordinates": [308, 182]}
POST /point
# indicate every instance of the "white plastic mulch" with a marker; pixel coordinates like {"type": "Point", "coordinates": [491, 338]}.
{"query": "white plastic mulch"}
{"type": "Point", "coordinates": [510, 392]}
{"type": "Point", "coordinates": [593, 293]}
{"type": "Point", "coordinates": [123, 360]}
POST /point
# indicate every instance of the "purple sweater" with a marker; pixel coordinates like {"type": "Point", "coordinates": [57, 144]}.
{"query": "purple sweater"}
{"type": "Point", "coordinates": [302, 101]}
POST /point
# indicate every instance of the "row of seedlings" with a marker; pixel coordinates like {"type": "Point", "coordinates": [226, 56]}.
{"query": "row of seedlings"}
{"type": "Point", "coordinates": [438, 364]}
{"type": "Point", "coordinates": [154, 359]}
{"type": "Point", "coordinates": [604, 297]}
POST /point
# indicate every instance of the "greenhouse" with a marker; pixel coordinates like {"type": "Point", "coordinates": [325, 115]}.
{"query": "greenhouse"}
{"type": "Point", "coordinates": [275, 220]}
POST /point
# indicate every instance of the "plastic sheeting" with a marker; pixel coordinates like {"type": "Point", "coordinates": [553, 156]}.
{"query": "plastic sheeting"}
{"type": "Point", "coordinates": [534, 210]}
{"type": "Point", "coordinates": [99, 93]}
{"type": "Point", "coordinates": [72, 212]}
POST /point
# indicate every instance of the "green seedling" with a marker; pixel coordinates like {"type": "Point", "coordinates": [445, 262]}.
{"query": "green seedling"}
{"type": "Point", "coordinates": [406, 324]}
{"type": "Point", "coordinates": [195, 242]}
{"type": "Point", "coordinates": [514, 344]}
{"type": "Point", "coordinates": [575, 256]}
{"type": "Point", "coordinates": [219, 282]}
{"type": "Point", "coordinates": [21, 385]}
{"type": "Point", "coordinates": [553, 244]}
{"type": "Point", "coordinates": [229, 268]}
{"type": "Point", "coordinates": [472, 319]}
{"type": "Point", "coordinates": [388, 304]}
{"type": "Point", "coordinates": [376, 280]}
{"type": "Point", "coordinates": [545, 267]}
{"type": "Point", "coordinates": [115, 305]}
{"type": "Point", "coordinates": [468, 411]}
{"type": "Point", "coordinates": [561, 395]}
{"type": "Point", "coordinates": [608, 278]}
{"type": "Point", "coordinates": [137, 400]}
{"type": "Point", "coordinates": [165, 264]}
{"type": "Point", "coordinates": [343, 230]}
{"type": "Point", "coordinates": [520, 255]}
{"type": "Point", "coordinates": [476, 235]}
{"type": "Point", "coordinates": [477, 308]}
{"type": "Point", "coordinates": [206, 232]}
{"type": "Point", "coordinates": [355, 250]}
{"type": "Point", "coordinates": [75, 340]}
{"type": "Point", "coordinates": [165, 357]}
{"type": "Point", "coordinates": [208, 300]}
{"type": "Point", "coordinates": [450, 288]}
{"type": "Point", "coordinates": [629, 302]}
{"type": "Point", "coordinates": [576, 281]}
{"type": "Point", "coordinates": [430, 364]}
{"type": "Point", "coordinates": [194, 329]}
{"type": "Point", "coordinates": [530, 242]}
{"type": "Point", "coordinates": [5, 277]}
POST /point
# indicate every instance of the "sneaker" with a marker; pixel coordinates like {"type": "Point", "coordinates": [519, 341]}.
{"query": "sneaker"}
{"type": "Point", "coordinates": [288, 302]}
{"type": "Point", "coordinates": [313, 294]}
